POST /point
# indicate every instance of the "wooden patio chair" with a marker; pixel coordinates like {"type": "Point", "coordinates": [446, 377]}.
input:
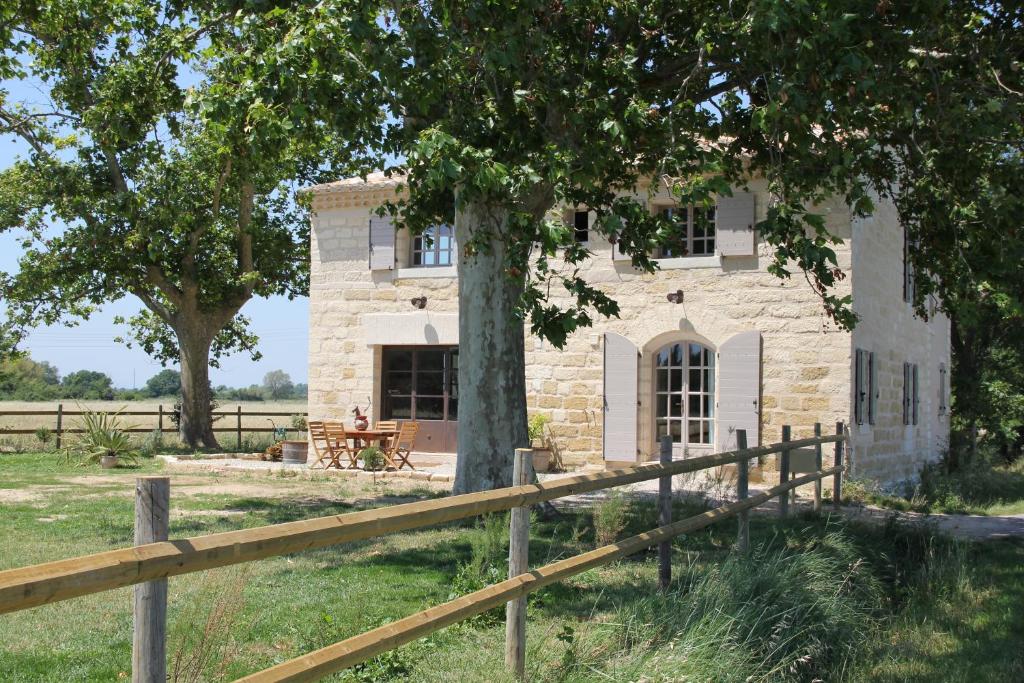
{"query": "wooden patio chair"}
{"type": "Point", "coordinates": [391, 425]}
{"type": "Point", "coordinates": [322, 445]}
{"type": "Point", "coordinates": [401, 447]}
{"type": "Point", "coordinates": [338, 439]}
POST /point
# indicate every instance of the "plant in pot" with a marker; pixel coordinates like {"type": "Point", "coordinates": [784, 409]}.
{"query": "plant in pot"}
{"type": "Point", "coordinates": [104, 441]}
{"type": "Point", "coordinates": [539, 442]}
{"type": "Point", "coordinates": [373, 458]}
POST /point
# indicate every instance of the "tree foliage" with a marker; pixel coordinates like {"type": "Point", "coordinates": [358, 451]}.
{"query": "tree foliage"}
{"type": "Point", "coordinates": [23, 379]}
{"type": "Point", "coordinates": [167, 382]}
{"type": "Point", "coordinates": [88, 384]}
{"type": "Point", "coordinates": [158, 168]}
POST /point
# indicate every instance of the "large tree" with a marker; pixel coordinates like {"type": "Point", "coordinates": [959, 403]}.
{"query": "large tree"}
{"type": "Point", "coordinates": [157, 167]}
{"type": "Point", "coordinates": [499, 111]}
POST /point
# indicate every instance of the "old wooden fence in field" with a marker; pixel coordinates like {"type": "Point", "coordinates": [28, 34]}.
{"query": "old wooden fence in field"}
{"type": "Point", "coordinates": [166, 421]}
{"type": "Point", "coordinates": [148, 564]}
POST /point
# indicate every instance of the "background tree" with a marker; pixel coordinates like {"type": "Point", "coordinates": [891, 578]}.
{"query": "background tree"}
{"type": "Point", "coordinates": [23, 379]}
{"type": "Point", "coordinates": [88, 384]}
{"type": "Point", "coordinates": [167, 382]}
{"type": "Point", "coordinates": [278, 384]}
{"type": "Point", "coordinates": [157, 169]}
{"type": "Point", "coordinates": [503, 110]}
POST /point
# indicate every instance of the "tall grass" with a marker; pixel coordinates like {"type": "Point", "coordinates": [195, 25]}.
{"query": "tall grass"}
{"type": "Point", "coordinates": [781, 613]}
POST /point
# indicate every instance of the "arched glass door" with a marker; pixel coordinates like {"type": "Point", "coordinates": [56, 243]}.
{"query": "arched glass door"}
{"type": "Point", "coordinates": [684, 394]}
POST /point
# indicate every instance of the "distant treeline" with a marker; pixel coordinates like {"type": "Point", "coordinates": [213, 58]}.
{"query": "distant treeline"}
{"type": "Point", "coordinates": [23, 379]}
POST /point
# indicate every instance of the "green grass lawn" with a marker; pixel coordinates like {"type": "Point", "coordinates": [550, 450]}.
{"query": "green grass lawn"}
{"type": "Point", "coordinates": [819, 597]}
{"type": "Point", "coordinates": [981, 488]}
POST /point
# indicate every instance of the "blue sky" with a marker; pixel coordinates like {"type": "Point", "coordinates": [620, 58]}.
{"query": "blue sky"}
{"type": "Point", "coordinates": [283, 326]}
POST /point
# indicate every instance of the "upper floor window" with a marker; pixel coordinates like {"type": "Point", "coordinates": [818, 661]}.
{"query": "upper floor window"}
{"type": "Point", "coordinates": [435, 247]}
{"type": "Point", "coordinates": [581, 226]}
{"type": "Point", "coordinates": [692, 232]}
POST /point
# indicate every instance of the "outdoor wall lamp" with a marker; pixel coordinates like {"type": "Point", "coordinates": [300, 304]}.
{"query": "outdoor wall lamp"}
{"type": "Point", "coordinates": [419, 302]}
{"type": "Point", "coordinates": [675, 297]}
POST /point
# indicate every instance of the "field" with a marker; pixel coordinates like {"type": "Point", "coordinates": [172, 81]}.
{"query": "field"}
{"type": "Point", "coordinates": [251, 440]}
{"type": "Point", "coordinates": [818, 599]}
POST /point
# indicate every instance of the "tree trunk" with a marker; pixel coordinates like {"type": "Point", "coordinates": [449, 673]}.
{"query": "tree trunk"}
{"type": "Point", "coordinates": [196, 425]}
{"type": "Point", "coordinates": [492, 372]}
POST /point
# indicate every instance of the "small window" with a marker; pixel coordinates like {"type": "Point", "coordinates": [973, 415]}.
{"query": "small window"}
{"type": "Point", "coordinates": [581, 226]}
{"type": "Point", "coordinates": [435, 247]}
{"type": "Point", "coordinates": [691, 232]}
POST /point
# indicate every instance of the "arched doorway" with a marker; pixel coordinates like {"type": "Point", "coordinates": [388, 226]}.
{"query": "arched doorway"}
{"type": "Point", "coordinates": [684, 395]}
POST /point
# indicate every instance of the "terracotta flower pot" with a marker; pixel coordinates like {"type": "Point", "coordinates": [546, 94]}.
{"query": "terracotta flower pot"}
{"type": "Point", "coordinates": [108, 462]}
{"type": "Point", "coordinates": [541, 459]}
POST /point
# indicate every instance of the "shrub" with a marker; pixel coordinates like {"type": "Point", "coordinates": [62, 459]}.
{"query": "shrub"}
{"type": "Point", "coordinates": [373, 458]}
{"type": "Point", "coordinates": [44, 435]}
{"type": "Point", "coordinates": [299, 423]}
{"type": "Point", "coordinates": [103, 436]}
{"type": "Point", "coordinates": [536, 426]}
{"type": "Point", "coordinates": [610, 518]}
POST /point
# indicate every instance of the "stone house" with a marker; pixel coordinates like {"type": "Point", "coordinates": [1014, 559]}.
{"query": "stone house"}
{"type": "Point", "coordinates": [709, 344]}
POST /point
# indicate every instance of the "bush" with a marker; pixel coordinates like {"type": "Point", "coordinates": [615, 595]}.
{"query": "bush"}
{"type": "Point", "coordinates": [610, 518]}
{"type": "Point", "coordinates": [103, 436]}
{"type": "Point", "coordinates": [44, 435]}
{"type": "Point", "coordinates": [373, 458]}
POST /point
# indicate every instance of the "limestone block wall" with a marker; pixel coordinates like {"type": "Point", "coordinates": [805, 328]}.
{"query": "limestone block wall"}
{"type": "Point", "coordinates": [805, 364]}
{"type": "Point", "coordinates": [890, 451]}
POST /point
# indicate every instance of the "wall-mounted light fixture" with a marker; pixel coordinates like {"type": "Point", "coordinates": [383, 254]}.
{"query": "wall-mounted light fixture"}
{"type": "Point", "coordinates": [419, 302]}
{"type": "Point", "coordinates": [675, 297]}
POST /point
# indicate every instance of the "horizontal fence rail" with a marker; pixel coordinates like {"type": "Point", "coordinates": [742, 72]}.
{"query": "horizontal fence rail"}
{"type": "Point", "coordinates": [41, 584]}
{"type": "Point", "coordinates": [358, 649]}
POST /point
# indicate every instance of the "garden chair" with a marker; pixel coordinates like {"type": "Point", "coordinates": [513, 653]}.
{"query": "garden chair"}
{"type": "Point", "coordinates": [400, 449]}
{"type": "Point", "coordinates": [338, 439]}
{"type": "Point", "coordinates": [387, 425]}
{"type": "Point", "coordinates": [321, 444]}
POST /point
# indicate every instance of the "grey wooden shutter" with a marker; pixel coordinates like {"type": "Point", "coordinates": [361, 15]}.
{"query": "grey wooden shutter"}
{"type": "Point", "coordinates": [734, 225]}
{"type": "Point", "coordinates": [382, 243]}
{"type": "Point", "coordinates": [739, 390]}
{"type": "Point", "coordinates": [872, 388]}
{"type": "Point", "coordinates": [942, 388]}
{"type": "Point", "coordinates": [906, 393]}
{"type": "Point", "coordinates": [916, 396]}
{"type": "Point", "coordinates": [620, 398]}
{"type": "Point", "coordinates": [858, 386]}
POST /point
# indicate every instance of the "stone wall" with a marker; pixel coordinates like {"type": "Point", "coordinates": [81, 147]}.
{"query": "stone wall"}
{"type": "Point", "coordinates": [890, 451]}
{"type": "Point", "coordinates": [806, 367]}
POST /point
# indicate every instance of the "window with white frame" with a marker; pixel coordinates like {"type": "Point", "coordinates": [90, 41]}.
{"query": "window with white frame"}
{"type": "Point", "coordinates": [435, 247]}
{"type": "Point", "coordinates": [691, 231]}
{"type": "Point", "coordinates": [684, 393]}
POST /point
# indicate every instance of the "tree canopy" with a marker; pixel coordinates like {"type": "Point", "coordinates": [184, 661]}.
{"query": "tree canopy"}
{"type": "Point", "coordinates": [159, 168]}
{"type": "Point", "coordinates": [500, 111]}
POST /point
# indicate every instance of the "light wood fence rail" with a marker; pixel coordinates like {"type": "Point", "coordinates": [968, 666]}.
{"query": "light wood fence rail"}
{"type": "Point", "coordinates": [165, 423]}
{"type": "Point", "coordinates": [41, 584]}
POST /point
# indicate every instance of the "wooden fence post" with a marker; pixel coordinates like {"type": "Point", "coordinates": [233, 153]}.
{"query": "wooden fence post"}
{"type": "Point", "coordinates": [837, 478]}
{"type": "Point", "coordinates": [160, 419]}
{"type": "Point", "coordinates": [742, 491]}
{"type": "Point", "coordinates": [784, 472]}
{"type": "Point", "coordinates": [665, 516]}
{"type": "Point", "coordinates": [238, 428]}
{"type": "Point", "coordinates": [60, 422]}
{"type": "Point", "coordinates": [518, 563]}
{"type": "Point", "coordinates": [817, 468]}
{"type": "Point", "coordinates": [149, 633]}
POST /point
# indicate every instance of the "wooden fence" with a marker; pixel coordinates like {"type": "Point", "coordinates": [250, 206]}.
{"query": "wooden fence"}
{"type": "Point", "coordinates": [166, 421]}
{"type": "Point", "coordinates": [150, 564]}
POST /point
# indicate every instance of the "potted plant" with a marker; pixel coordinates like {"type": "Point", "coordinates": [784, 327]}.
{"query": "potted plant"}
{"type": "Point", "coordinates": [373, 458]}
{"type": "Point", "coordinates": [539, 442]}
{"type": "Point", "coordinates": [104, 441]}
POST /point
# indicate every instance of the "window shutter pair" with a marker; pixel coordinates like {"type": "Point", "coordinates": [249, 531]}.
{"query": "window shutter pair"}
{"type": "Point", "coordinates": [382, 243]}
{"type": "Point", "coordinates": [911, 394]}
{"type": "Point", "coordinates": [734, 225]}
